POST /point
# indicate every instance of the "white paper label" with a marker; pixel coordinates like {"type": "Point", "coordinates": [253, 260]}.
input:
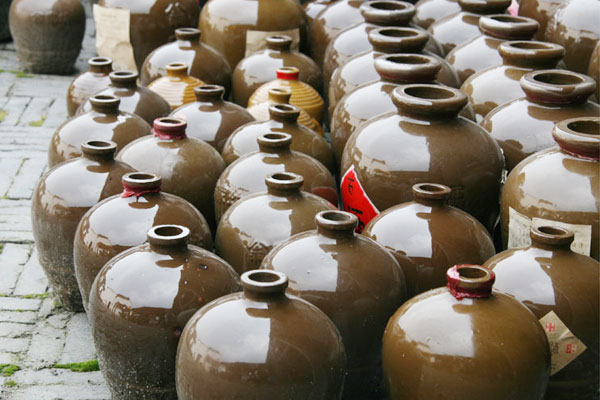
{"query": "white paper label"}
{"type": "Point", "coordinates": [112, 37]}
{"type": "Point", "coordinates": [564, 345]}
{"type": "Point", "coordinates": [257, 40]}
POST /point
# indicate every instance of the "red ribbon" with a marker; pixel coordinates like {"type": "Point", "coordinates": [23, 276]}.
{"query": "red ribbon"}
{"type": "Point", "coordinates": [128, 191]}
{"type": "Point", "coordinates": [482, 290]}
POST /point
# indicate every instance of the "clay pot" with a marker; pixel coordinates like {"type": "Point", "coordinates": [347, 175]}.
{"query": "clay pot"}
{"type": "Point", "coordinates": [59, 201]}
{"type": "Point", "coordinates": [541, 11]}
{"type": "Point", "coordinates": [574, 25]}
{"type": "Point", "coordinates": [424, 140]}
{"type": "Point", "coordinates": [189, 167]}
{"type": "Point", "coordinates": [547, 276]}
{"type": "Point", "coordinates": [177, 87]}
{"type": "Point", "coordinates": [252, 226]}
{"type": "Point", "coordinates": [260, 343]}
{"type": "Point", "coordinates": [594, 69]}
{"type": "Point", "coordinates": [261, 67]}
{"type": "Point", "coordinates": [465, 335]}
{"type": "Point", "coordinates": [140, 303]}
{"type": "Point", "coordinates": [312, 8]}
{"type": "Point", "coordinates": [238, 29]}
{"type": "Point", "coordinates": [489, 88]}
{"type": "Point", "coordinates": [210, 118]}
{"type": "Point", "coordinates": [448, 236]}
{"type": "Point", "coordinates": [4, 28]}
{"type": "Point", "coordinates": [204, 62]}
{"type": "Point", "coordinates": [134, 99]}
{"type": "Point", "coordinates": [571, 201]}
{"type": "Point", "coordinates": [359, 297]}
{"type": "Point", "coordinates": [139, 207]}
{"type": "Point", "coordinates": [88, 83]}
{"type": "Point", "coordinates": [47, 34]}
{"type": "Point", "coordinates": [153, 22]}
{"type": "Point", "coordinates": [429, 11]}
{"type": "Point", "coordinates": [524, 126]}
{"type": "Point", "coordinates": [103, 122]}
{"type": "Point", "coordinates": [283, 119]}
{"type": "Point", "coordinates": [482, 51]}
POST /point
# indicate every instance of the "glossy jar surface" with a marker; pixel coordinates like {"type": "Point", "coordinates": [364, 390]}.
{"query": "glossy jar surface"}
{"type": "Point", "coordinates": [594, 69]}
{"type": "Point", "coordinates": [177, 87]}
{"type": "Point", "coordinates": [88, 83]}
{"type": "Point", "coordinates": [541, 11]}
{"type": "Point", "coordinates": [429, 11]}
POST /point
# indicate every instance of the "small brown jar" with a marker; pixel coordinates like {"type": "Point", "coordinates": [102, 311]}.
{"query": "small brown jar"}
{"type": "Point", "coordinates": [541, 11]}
{"type": "Point", "coordinates": [140, 303]}
{"type": "Point", "coordinates": [59, 201]}
{"type": "Point", "coordinates": [524, 126]}
{"type": "Point", "coordinates": [210, 118]}
{"type": "Point", "coordinates": [358, 295]}
{"type": "Point", "coordinates": [547, 276]}
{"type": "Point", "coordinates": [177, 87]}
{"type": "Point", "coordinates": [594, 69]}
{"type": "Point", "coordinates": [252, 226]}
{"type": "Point", "coordinates": [246, 175]}
{"type": "Point", "coordinates": [121, 222]}
{"type": "Point", "coordinates": [88, 83]}
{"type": "Point", "coordinates": [259, 68]}
{"type": "Point", "coordinates": [429, 11]}
{"type": "Point", "coordinates": [262, 344]}
{"type": "Point", "coordinates": [465, 336]}
{"type": "Point", "coordinates": [103, 122]}
{"type": "Point", "coordinates": [571, 200]}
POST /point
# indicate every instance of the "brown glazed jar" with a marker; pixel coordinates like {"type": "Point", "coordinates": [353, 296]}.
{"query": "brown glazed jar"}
{"type": "Point", "coordinates": [572, 199]}
{"type": "Point", "coordinates": [491, 87]}
{"type": "Point", "coordinates": [547, 276]}
{"type": "Point", "coordinates": [47, 34]}
{"type": "Point", "coordinates": [541, 11]}
{"type": "Point", "coordinates": [465, 336]}
{"type": "Point", "coordinates": [59, 201]}
{"type": "Point", "coordinates": [140, 303]}
{"type": "Point", "coordinates": [260, 344]}
{"type": "Point", "coordinates": [260, 68]}
{"type": "Point", "coordinates": [134, 99]}
{"type": "Point", "coordinates": [238, 28]}
{"type": "Point", "coordinates": [358, 296]}
{"type": "Point", "coordinates": [121, 222]}
{"type": "Point", "coordinates": [204, 62]}
{"type": "Point", "coordinates": [523, 126]}
{"type": "Point", "coordinates": [246, 175]}
{"type": "Point", "coordinates": [103, 122]}
{"type": "Point", "coordinates": [177, 87]}
{"type": "Point", "coordinates": [424, 140]}
{"type": "Point", "coordinates": [448, 236]}
{"type": "Point", "coordinates": [88, 83]}
{"type": "Point", "coordinates": [575, 26]}
{"type": "Point", "coordinates": [153, 22]}
{"type": "Point", "coordinates": [284, 119]}
{"type": "Point", "coordinates": [312, 8]}
{"type": "Point", "coordinates": [253, 225]}
{"type": "Point", "coordinates": [189, 167]}
{"type": "Point", "coordinates": [594, 69]}
{"type": "Point", "coordinates": [482, 51]}
{"type": "Point", "coordinates": [210, 118]}
{"type": "Point", "coordinates": [429, 11]}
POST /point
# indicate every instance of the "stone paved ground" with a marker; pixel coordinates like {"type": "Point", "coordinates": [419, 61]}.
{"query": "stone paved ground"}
{"type": "Point", "coordinates": [35, 334]}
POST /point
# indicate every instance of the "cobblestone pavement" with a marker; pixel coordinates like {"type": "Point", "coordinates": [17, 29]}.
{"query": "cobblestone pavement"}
{"type": "Point", "coordinates": [35, 334]}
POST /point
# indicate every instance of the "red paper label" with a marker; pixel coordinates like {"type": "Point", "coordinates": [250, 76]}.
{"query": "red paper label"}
{"type": "Point", "coordinates": [356, 201]}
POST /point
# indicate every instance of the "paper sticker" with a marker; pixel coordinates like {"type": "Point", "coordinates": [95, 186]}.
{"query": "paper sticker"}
{"type": "Point", "coordinates": [564, 346]}
{"type": "Point", "coordinates": [257, 40]}
{"type": "Point", "coordinates": [112, 37]}
{"type": "Point", "coordinates": [355, 199]}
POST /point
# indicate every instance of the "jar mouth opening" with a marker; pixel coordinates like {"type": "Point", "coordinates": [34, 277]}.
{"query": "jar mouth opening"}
{"type": "Point", "coordinates": [169, 232]}
{"type": "Point", "coordinates": [286, 181]}
{"type": "Point", "coordinates": [530, 45]}
{"type": "Point", "coordinates": [388, 5]}
{"type": "Point", "coordinates": [336, 220]}
{"type": "Point", "coordinates": [471, 273]}
{"type": "Point", "coordinates": [194, 31]}
{"type": "Point", "coordinates": [557, 78]}
{"type": "Point", "coordinates": [431, 191]}
{"type": "Point", "coordinates": [176, 67]}
{"type": "Point", "coordinates": [100, 144]}
{"type": "Point", "coordinates": [140, 177]}
{"type": "Point", "coordinates": [209, 90]}
{"type": "Point", "coordinates": [415, 59]}
{"type": "Point", "coordinates": [168, 122]}
{"type": "Point", "coordinates": [274, 140]}
{"type": "Point", "coordinates": [397, 32]}
{"type": "Point", "coordinates": [100, 61]}
{"type": "Point", "coordinates": [429, 92]}
{"type": "Point", "coordinates": [510, 19]}
{"type": "Point", "coordinates": [279, 91]}
{"type": "Point", "coordinates": [551, 235]}
{"type": "Point", "coordinates": [585, 127]}
{"type": "Point", "coordinates": [264, 282]}
{"type": "Point", "coordinates": [123, 76]}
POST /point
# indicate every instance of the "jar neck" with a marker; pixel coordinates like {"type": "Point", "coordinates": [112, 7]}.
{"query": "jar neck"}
{"type": "Point", "coordinates": [169, 128]}
{"type": "Point", "coordinates": [99, 151]}
{"type": "Point", "coordinates": [531, 54]}
{"type": "Point", "coordinates": [431, 194]}
{"type": "Point", "coordinates": [123, 79]}
{"type": "Point", "coordinates": [336, 224]}
{"type": "Point", "coordinates": [279, 43]}
{"type": "Point", "coordinates": [100, 65]}
{"type": "Point", "coordinates": [557, 87]}
{"type": "Point", "coordinates": [387, 13]}
{"type": "Point", "coordinates": [177, 70]}
{"type": "Point", "coordinates": [484, 7]}
{"type": "Point", "coordinates": [284, 184]}
{"type": "Point", "coordinates": [508, 27]}
{"type": "Point", "coordinates": [140, 184]}
{"type": "Point", "coordinates": [105, 104]}
{"type": "Point", "coordinates": [187, 36]}
{"type": "Point", "coordinates": [470, 281]}
{"type": "Point", "coordinates": [407, 68]}
{"type": "Point", "coordinates": [579, 137]}
{"type": "Point", "coordinates": [209, 93]}
{"type": "Point", "coordinates": [429, 101]}
{"type": "Point", "coordinates": [284, 113]}
{"type": "Point", "coordinates": [551, 238]}
{"type": "Point", "coordinates": [397, 40]}
{"type": "Point", "coordinates": [168, 238]}
{"type": "Point", "coordinates": [264, 285]}
{"type": "Point", "coordinates": [274, 143]}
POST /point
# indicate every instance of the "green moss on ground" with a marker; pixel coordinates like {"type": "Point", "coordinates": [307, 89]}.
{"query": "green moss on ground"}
{"type": "Point", "coordinates": [8, 369]}
{"type": "Point", "coordinates": [10, 384]}
{"type": "Point", "coordinates": [85, 366]}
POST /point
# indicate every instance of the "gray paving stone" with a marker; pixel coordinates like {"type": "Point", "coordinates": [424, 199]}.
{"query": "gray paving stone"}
{"type": "Point", "coordinates": [24, 317]}
{"type": "Point", "coordinates": [13, 345]}
{"type": "Point", "coordinates": [27, 178]}
{"type": "Point", "coordinates": [9, 168]}
{"type": "Point", "coordinates": [15, 221]}
{"type": "Point", "coordinates": [60, 392]}
{"type": "Point", "coordinates": [32, 280]}
{"type": "Point", "coordinates": [79, 345]}
{"type": "Point", "coordinates": [57, 114]}
{"type": "Point", "coordinates": [50, 376]}
{"type": "Point", "coordinates": [48, 306]}
{"type": "Point", "coordinates": [41, 86]}
{"type": "Point", "coordinates": [36, 112]}
{"type": "Point", "coordinates": [14, 330]}
{"type": "Point", "coordinates": [7, 81]}
{"type": "Point", "coordinates": [15, 303]}
{"type": "Point", "coordinates": [12, 259]}
{"type": "Point", "coordinates": [9, 358]}
{"type": "Point", "coordinates": [13, 110]}
{"type": "Point", "coordinates": [47, 343]}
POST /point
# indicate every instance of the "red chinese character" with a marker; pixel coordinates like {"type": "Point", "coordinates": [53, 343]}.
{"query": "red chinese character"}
{"type": "Point", "coordinates": [571, 348]}
{"type": "Point", "coordinates": [549, 327]}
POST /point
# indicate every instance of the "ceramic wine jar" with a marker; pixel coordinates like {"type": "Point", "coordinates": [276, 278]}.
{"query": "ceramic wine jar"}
{"type": "Point", "coordinates": [260, 344]}
{"type": "Point", "coordinates": [429, 11]}
{"type": "Point", "coordinates": [238, 28]}
{"type": "Point", "coordinates": [138, 208]}
{"type": "Point", "coordinates": [547, 276]}
{"type": "Point", "coordinates": [571, 201]}
{"type": "Point", "coordinates": [153, 22]}
{"type": "Point", "coordinates": [134, 99]}
{"type": "Point", "coordinates": [575, 26]}
{"type": "Point", "coordinates": [358, 296]}
{"type": "Point", "coordinates": [283, 119]}
{"type": "Point", "coordinates": [448, 236]}
{"type": "Point", "coordinates": [47, 34]}
{"type": "Point", "coordinates": [189, 167]}
{"type": "Point", "coordinates": [88, 83]}
{"type": "Point", "coordinates": [103, 122]}
{"type": "Point", "coordinates": [482, 51]}
{"type": "Point", "coordinates": [594, 69]}
{"type": "Point", "coordinates": [524, 126]}
{"type": "Point", "coordinates": [210, 118]}
{"type": "Point", "coordinates": [465, 336]}
{"type": "Point", "coordinates": [423, 141]}
{"type": "Point", "coordinates": [541, 11]}
{"type": "Point", "coordinates": [246, 175]}
{"type": "Point", "coordinates": [491, 87]}
{"type": "Point", "coordinates": [252, 226]}
{"type": "Point", "coordinates": [59, 201]}
{"type": "Point", "coordinates": [204, 62]}
{"type": "Point", "coordinates": [259, 68]}
{"type": "Point", "coordinates": [177, 87]}
{"type": "Point", "coordinates": [140, 303]}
